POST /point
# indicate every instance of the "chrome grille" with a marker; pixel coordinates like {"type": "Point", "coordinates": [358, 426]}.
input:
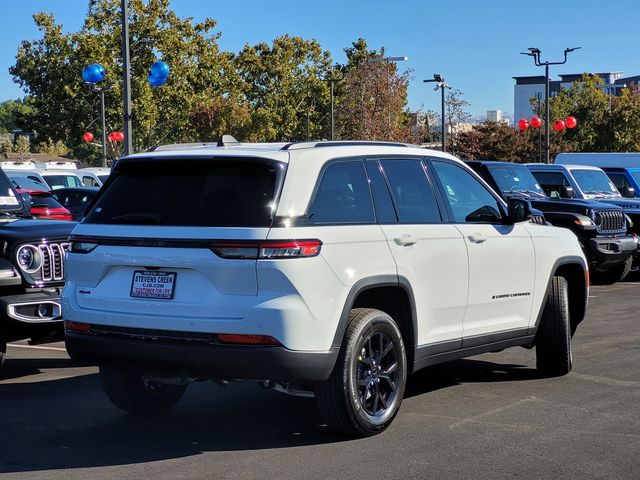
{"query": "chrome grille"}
{"type": "Point", "coordinates": [611, 221]}
{"type": "Point", "coordinates": [52, 268]}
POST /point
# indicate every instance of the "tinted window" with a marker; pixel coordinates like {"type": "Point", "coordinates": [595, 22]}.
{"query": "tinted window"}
{"type": "Point", "coordinates": [385, 213]}
{"type": "Point", "coordinates": [552, 182]}
{"type": "Point", "coordinates": [208, 193]}
{"type": "Point", "coordinates": [469, 200]}
{"type": "Point", "coordinates": [44, 201]}
{"type": "Point", "coordinates": [61, 181]}
{"type": "Point", "coordinates": [411, 191]}
{"type": "Point", "coordinates": [343, 195]}
{"type": "Point", "coordinates": [24, 182]}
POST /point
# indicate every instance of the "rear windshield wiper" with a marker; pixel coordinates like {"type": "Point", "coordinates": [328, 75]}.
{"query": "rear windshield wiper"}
{"type": "Point", "coordinates": [134, 218]}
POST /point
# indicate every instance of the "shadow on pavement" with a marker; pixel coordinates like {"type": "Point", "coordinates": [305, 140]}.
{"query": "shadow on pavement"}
{"type": "Point", "coordinates": [69, 423]}
{"type": "Point", "coordinates": [15, 368]}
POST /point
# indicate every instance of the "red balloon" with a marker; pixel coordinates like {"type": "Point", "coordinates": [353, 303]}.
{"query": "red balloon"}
{"type": "Point", "coordinates": [535, 122]}
{"type": "Point", "coordinates": [558, 125]}
{"type": "Point", "coordinates": [119, 136]}
{"type": "Point", "coordinates": [523, 124]}
{"type": "Point", "coordinates": [112, 136]}
{"type": "Point", "coordinates": [87, 137]}
{"type": "Point", "coordinates": [571, 122]}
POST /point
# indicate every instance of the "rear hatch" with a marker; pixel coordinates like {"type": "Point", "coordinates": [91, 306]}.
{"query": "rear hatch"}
{"type": "Point", "coordinates": [175, 237]}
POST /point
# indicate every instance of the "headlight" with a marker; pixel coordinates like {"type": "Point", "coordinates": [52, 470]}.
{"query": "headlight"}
{"type": "Point", "coordinates": [29, 258]}
{"type": "Point", "coordinates": [597, 218]}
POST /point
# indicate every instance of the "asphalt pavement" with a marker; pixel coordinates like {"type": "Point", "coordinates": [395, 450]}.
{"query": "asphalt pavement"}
{"type": "Point", "coordinates": [489, 416]}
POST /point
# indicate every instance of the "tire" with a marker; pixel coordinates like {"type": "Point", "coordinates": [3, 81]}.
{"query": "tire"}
{"type": "Point", "coordinates": [364, 392]}
{"type": "Point", "coordinates": [3, 351]}
{"type": "Point", "coordinates": [127, 390]}
{"type": "Point", "coordinates": [614, 274]}
{"type": "Point", "coordinates": [553, 339]}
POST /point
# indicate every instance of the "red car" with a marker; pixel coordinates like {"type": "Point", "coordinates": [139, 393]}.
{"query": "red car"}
{"type": "Point", "coordinates": [44, 206]}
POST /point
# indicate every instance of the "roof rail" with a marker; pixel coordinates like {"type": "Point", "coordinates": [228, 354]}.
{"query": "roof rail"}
{"type": "Point", "coordinates": [344, 143]}
{"type": "Point", "coordinates": [178, 146]}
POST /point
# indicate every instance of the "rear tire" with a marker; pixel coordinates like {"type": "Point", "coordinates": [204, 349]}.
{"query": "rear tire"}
{"type": "Point", "coordinates": [128, 391]}
{"type": "Point", "coordinates": [553, 339]}
{"type": "Point", "coordinates": [364, 392]}
{"type": "Point", "coordinates": [614, 274]}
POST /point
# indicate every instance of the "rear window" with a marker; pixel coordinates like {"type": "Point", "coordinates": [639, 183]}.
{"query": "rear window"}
{"type": "Point", "coordinates": [204, 193]}
{"type": "Point", "coordinates": [62, 181]}
{"type": "Point", "coordinates": [44, 201]}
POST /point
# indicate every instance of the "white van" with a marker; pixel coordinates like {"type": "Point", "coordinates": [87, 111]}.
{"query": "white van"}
{"type": "Point", "coordinates": [18, 165]}
{"type": "Point", "coordinates": [93, 177]}
{"type": "Point", "coordinates": [57, 165]}
{"type": "Point", "coordinates": [60, 178]}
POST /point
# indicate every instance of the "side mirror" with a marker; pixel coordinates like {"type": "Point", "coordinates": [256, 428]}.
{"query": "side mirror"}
{"type": "Point", "coordinates": [566, 192]}
{"type": "Point", "coordinates": [628, 192]}
{"type": "Point", "coordinates": [518, 210]}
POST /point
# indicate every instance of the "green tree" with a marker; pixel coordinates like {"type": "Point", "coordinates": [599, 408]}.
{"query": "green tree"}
{"type": "Point", "coordinates": [49, 69]}
{"type": "Point", "coordinates": [372, 97]}
{"type": "Point", "coordinates": [22, 146]}
{"type": "Point", "coordinates": [52, 148]}
{"type": "Point", "coordinates": [15, 114]}
{"type": "Point", "coordinates": [6, 146]}
{"type": "Point", "coordinates": [286, 90]}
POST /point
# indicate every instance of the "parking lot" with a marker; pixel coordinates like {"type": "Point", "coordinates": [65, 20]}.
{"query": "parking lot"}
{"type": "Point", "coordinates": [489, 416]}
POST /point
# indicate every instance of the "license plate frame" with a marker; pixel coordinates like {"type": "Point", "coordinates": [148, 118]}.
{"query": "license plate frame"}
{"type": "Point", "coordinates": [153, 288]}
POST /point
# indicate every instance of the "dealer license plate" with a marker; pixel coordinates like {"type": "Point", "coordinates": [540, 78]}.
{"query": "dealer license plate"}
{"type": "Point", "coordinates": [153, 284]}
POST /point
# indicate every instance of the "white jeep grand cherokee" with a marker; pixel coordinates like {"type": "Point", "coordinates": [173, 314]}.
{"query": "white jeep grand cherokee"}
{"type": "Point", "coordinates": [325, 268]}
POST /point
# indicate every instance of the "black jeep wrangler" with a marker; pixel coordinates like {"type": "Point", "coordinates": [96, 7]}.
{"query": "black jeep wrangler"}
{"type": "Point", "coordinates": [601, 228]}
{"type": "Point", "coordinates": [31, 270]}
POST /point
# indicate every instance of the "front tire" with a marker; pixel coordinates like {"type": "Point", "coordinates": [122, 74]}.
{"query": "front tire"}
{"type": "Point", "coordinates": [553, 339]}
{"type": "Point", "coordinates": [128, 391]}
{"type": "Point", "coordinates": [364, 392]}
{"type": "Point", "coordinates": [613, 274]}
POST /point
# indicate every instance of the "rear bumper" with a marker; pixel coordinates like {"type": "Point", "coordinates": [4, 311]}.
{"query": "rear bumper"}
{"type": "Point", "coordinates": [201, 359]}
{"type": "Point", "coordinates": [607, 252]}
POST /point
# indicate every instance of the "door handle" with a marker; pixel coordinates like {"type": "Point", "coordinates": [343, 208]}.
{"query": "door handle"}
{"type": "Point", "coordinates": [477, 238]}
{"type": "Point", "coordinates": [405, 240]}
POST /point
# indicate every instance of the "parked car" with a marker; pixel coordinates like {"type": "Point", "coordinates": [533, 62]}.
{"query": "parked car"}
{"type": "Point", "coordinates": [601, 228]}
{"type": "Point", "coordinates": [585, 182]}
{"type": "Point", "coordinates": [622, 168]}
{"type": "Point", "coordinates": [27, 179]}
{"type": "Point", "coordinates": [93, 177]}
{"type": "Point", "coordinates": [60, 178]}
{"type": "Point", "coordinates": [44, 206]}
{"type": "Point", "coordinates": [75, 199]}
{"type": "Point", "coordinates": [31, 271]}
{"type": "Point", "coordinates": [323, 268]}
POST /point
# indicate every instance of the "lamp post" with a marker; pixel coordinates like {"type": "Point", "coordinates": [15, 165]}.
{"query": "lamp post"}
{"type": "Point", "coordinates": [535, 53]}
{"type": "Point", "coordinates": [388, 61]}
{"type": "Point", "coordinates": [441, 84]}
{"type": "Point", "coordinates": [126, 78]}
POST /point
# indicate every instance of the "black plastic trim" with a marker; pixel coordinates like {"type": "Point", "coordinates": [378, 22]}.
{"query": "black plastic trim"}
{"type": "Point", "coordinates": [367, 284]}
{"type": "Point", "coordinates": [491, 338]}
{"type": "Point", "coordinates": [223, 362]}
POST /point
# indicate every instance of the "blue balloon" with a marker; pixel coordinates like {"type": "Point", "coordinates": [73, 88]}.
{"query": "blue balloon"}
{"type": "Point", "coordinates": [94, 73]}
{"type": "Point", "coordinates": [155, 81]}
{"type": "Point", "coordinates": [159, 70]}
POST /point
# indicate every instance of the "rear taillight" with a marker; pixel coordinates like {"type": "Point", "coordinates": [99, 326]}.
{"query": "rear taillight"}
{"type": "Point", "coordinates": [76, 246]}
{"type": "Point", "coordinates": [247, 339]}
{"type": "Point", "coordinates": [76, 326]}
{"type": "Point", "coordinates": [267, 249]}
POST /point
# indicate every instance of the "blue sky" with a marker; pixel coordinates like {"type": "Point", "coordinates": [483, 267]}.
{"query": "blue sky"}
{"type": "Point", "coordinates": [475, 44]}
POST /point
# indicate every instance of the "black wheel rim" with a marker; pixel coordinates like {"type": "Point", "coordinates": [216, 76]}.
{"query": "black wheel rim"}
{"type": "Point", "coordinates": [377, 373]}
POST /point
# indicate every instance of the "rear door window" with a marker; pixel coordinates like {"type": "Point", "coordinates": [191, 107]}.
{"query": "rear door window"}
{"type": "Point", "coordinates": [411, 191]}
{"type": "Point", "coordinates": [183, 192]}
{"type": "Point", "coordinates": [343, 195]}
{"type": "Point", "coordinates": [552, 182]}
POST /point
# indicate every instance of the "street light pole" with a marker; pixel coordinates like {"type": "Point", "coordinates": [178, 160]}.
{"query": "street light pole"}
{"type": "Point", "coordinates": [126, 79]}
{"type": "Point", "coordinates": [388, 61]}
{"type": "Point", "coordinates": [441, 84]}
{"type": "Point", "coordinates": [535, 53]}
{"type": "Point", "coordinates": [104, 129]}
